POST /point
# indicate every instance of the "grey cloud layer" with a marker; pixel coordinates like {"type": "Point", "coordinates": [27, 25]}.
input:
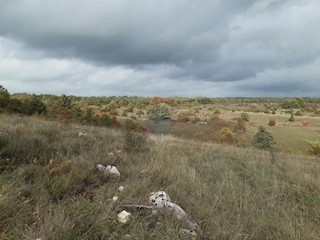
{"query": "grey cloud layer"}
{"type": "Point", "coordinates": [229, 46]}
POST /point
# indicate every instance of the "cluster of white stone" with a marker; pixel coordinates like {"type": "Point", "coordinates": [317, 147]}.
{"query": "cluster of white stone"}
{"type": "Point", "coordinates": [162, 200]}
{"type": "Point", "coordinates": [109, 169]}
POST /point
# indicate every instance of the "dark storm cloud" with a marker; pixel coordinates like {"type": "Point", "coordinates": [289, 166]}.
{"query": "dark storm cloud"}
{"type": "Point", "coordinates": [218, 48]}
{"type": "Point", "coordinates": [122, 32]}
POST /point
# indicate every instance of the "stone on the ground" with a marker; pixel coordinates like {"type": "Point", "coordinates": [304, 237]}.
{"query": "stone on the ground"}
{"type": "Point", "coordinates": [108, 169]}
{"type": "Point", "coordinates": [188, 232]}
{"type": "Point", "coordinates": [159, 199]}
{"type": "Point", "coordinates": [177, 211]}
{"type": "Point", "coordinates": [124, 216]}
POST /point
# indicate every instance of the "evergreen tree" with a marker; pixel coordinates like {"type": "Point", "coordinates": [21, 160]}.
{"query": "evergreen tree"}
{"type": "Point", "coordinates": [265, 141]}
{"type": "Point", "coordinates": [4, 97]}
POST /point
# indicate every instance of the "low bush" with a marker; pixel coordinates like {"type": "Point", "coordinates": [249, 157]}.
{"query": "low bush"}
{"type": "Point", "coordinates": [134, 141]}
{"type": "Point", "coordinates": [159, 112]}
{"type": "Point", "coordinates": [217, 112]}
{"type": "Point", "coordinates": [227, 135]}
{"type": "Point", "coordinates": [139, 113]}
{"type": "Point", "coordinates": [291, 118]}
{"type": "Point", "coordinates": [244, 117]}
{"type": "Point", "coordinates": [315, 147]}
{"type": "Point", "coordinates": [272, 122]}
{"type": "Point", "coordinates": [240, 127]}
{"type": "Point", "coordinates": [195, 120]}
{"type": "Point", "coordinates": [183, 117]}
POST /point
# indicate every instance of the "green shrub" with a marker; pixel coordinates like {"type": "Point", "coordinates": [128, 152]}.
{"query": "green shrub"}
{"type": "Point", "coordinates": [263, 139]}
{"type": "Point", "coordinates": [315, 147]}
{"type": "Point", "coordinates": [33, 105]}
{"type": "Point", "coordinates": [293, 103]}
{"type": "Point", "coordinates": [130, 125]}
{"type": "Point", "coordinates": [105, 121]}
{"type": "Point", "coordinates": [291, 118]}
{"type": "Point", "coordinates": [134, 142]}
{"type": "Point", "coordinates": [139, 113]}
{"type": "Point", "coordinates": [4, 97]}
{"type": "Point", "coordinates": [244, 117]}
{"type": "Point", "coordinates": [159, 112]}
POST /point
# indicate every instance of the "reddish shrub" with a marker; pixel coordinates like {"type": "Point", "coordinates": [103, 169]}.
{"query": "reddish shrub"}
{"type": "Point", "coordinates": [272, 122]}
{"type": "Point", "coordinates": [114, 121]}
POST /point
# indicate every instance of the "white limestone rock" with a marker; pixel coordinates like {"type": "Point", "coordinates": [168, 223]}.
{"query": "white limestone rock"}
{"type": "Point", "coordinates": [124, 216]}
{"type": "Point", "coordinates": [113, 170]}
{"type": "Point", "coordinates": [109, 169]}
{"type": "Point", "coordinates": [177, 211]}
{"type": "Point", "coordinates": [159, 199]}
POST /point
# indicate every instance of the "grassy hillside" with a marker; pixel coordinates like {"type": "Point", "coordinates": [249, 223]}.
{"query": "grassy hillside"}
{"type": "Point", "coordinates": [50, 189]}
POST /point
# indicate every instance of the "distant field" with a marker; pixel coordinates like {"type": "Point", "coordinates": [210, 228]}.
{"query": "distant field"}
{"type": "Point", "coordinates": [290, 136]}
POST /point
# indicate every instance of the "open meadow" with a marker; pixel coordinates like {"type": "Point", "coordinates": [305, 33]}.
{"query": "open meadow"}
{"type": "Point", "coordinates": [50, 187]}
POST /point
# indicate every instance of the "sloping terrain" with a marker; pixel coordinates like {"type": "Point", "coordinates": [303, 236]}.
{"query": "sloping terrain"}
{"type": "Point", "coordinates": [50, 187]}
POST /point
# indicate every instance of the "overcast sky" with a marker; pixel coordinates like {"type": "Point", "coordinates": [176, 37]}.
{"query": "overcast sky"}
{"type": "Point", "coordinates": [214, 48]}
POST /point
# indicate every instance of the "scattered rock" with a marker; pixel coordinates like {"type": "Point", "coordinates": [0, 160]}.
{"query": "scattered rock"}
{"type": "Point", "coordinates": [188, 232]}
{"type": "Point", "coordinates": [124, 216]}
{"type": "Point", "coordinates": [178, 212]}
{"type": "Point", "coordinates": [121, 188]}
{"type": "Point", "coordinates": [81, 134]}
{"type": "Point", "coordinates": [159, 199]}
{"type": "Point", "coordinates": [127, 236]}
{"type": "Point", "coordinates": [109, 169]}
{"type": "Point", "coordinates": [115, 198]}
